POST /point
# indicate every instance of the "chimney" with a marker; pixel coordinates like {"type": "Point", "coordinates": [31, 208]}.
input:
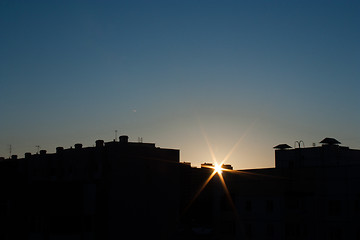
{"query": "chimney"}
{"type": "Point", "coordinates": [99, 143]}
{"type": "Point", "coordinates": [59, 149]}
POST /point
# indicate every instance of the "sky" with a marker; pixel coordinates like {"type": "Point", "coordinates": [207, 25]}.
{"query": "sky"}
{"type": "Point", "coordinates": [235, 76]}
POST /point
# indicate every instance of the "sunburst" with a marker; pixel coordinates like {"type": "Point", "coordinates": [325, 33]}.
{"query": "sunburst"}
{"type": "Point", "coordinates": [218, 168]}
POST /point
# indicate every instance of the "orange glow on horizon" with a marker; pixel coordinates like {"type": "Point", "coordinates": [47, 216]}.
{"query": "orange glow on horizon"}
{"type": "Point", "coordinates": [218, 169]}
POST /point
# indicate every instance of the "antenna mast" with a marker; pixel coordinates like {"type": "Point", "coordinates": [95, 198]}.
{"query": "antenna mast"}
{"type": "Point", "coordinates": [10, 150]}
{"type": "Point", "coordinates": [38, 149]}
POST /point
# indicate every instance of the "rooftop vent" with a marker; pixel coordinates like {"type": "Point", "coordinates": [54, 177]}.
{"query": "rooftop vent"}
{"type": "Point", "coordinates": [187, 163]}
{"type": "Point", "coordinates": [282, 147]}
{"type": "Point", "coordinates": [124, 139]}
{"type": "Point", "coordinates": [78, 146]}
{"type": "Point", "coordinates": [207, 165]}
{"type": "Point", "coordinates": [227, 166]}
{"type": "Point", "coordinates": [330, 141]}
{"type": "Point", "coordinates": [99, 143]}
{"type": "Point", "coordinates": [59, 149]}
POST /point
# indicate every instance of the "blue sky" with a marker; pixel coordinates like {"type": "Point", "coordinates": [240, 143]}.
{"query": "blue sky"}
{"type": "Point", "coordinates": [265, 72]}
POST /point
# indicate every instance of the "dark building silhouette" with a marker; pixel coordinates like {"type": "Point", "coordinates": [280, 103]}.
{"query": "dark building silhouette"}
{"type": "Point", "coordinates": [109, 191]}
{"type": "Point", "coordinates": [312, 193]}
{"type": "Point", "coordinates": [330, 154]}
{"type": "Point", "coordinates": [123, 189]}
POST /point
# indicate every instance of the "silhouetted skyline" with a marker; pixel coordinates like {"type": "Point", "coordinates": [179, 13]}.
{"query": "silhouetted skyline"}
{"type": "Point", "coordinates": [184, 74]}
{"type": "Point", "coordinates": [119, 188]}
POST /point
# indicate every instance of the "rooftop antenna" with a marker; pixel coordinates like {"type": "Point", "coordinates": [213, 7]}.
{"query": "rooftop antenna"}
{"type": "Point", "coordinates": [37, 149]}
{"type": "Point", "coordinates": [10, 150]}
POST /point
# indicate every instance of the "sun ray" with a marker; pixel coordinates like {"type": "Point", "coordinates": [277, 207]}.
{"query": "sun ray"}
{"type": "Point", "coordinates": [228, 195]}
{"type": "Point", "coordinates": [199, 191]}
{"type": "Point", "coordinates": [232, 150]}
{"type": "Point", "coordinates": [208, 144]}
{"type": "Point", "coordinates": [219, 170]}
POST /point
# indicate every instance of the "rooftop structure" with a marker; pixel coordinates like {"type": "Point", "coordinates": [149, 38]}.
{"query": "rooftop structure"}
{"type": "Point", "coordinates": [330, 153]}
{"type": "Point", "coordinates": [330, 141]}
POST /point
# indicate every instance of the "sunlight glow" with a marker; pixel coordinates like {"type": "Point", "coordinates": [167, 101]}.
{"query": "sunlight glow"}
{"type": "Point", "coordinates": [218, 169]}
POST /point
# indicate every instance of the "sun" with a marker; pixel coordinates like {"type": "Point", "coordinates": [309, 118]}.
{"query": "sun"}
{"type": "Point", "coordinates": [217, 168]}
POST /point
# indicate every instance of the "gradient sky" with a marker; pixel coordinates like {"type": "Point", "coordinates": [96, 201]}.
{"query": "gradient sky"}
{"type": "Point", "coordinates": [177, 72]}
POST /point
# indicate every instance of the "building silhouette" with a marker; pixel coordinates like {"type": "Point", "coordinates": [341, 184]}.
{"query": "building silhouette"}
{"type": "Point", "coordinates": [123, 189]}
{"type": "Point", "coordinates": [312, 193]}
{"type": "Point", "coordinates": [109, 191]}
